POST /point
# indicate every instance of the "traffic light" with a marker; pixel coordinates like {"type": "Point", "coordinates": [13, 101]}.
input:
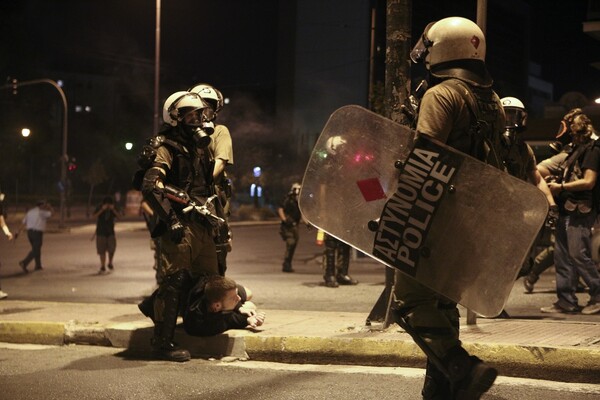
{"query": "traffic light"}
{"type": "Point", "coordinates": [15, 84]}
{"type": "Point", "coordinates": [72, 166]}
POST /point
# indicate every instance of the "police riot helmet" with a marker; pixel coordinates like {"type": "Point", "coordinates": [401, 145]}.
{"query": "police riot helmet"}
{"type": "Point", "coordinates": [516, 116]}
{"type": "Point", "coordinates": [189, 111]}
{"type": "Point", "coordinates": [209, 94]}
{"type": "Point", "coordinates": [451, 46]}
{"type": "Point", "coordinates": [295, 189]}
{"type": "Point", "coordinates": [179, 104]}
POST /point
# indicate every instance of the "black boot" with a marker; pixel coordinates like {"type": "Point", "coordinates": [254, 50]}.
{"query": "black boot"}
{"type": "Point", "coordinates": [287, 267]}
{"type": "Point", "coordinates": [329, 276]}
{"type": "Point", "coordinates": [470, 376]}
{"type": "Point", "coordinates": [162, 343]}
{"type": "Point", "coordinates": [344, 263]}
{"type": "Point", "coordinates": [436, 386]}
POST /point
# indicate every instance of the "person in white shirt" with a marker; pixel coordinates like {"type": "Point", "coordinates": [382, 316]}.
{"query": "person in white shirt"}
{"type": "Point", "coordinates": [35, 223]}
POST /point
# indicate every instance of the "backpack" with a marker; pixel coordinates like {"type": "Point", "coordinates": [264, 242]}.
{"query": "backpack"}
{"type": "Point", "coordinates": [483, 106]}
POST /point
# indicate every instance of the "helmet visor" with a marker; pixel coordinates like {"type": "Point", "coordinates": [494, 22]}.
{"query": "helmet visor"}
{"type": "Point", "coordinates": [419, 52]}
{"type": "Point", "coordinates": [515, 118]}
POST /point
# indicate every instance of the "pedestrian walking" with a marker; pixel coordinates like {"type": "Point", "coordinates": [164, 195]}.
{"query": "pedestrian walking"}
{"type": "Point", "coordinates": [106, 241]}
{"type": "Point", "coordinates": [35, 223]}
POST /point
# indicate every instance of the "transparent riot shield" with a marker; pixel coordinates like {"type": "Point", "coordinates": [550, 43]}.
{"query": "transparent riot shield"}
{"type": "Point", "coordinates": [455, 224]}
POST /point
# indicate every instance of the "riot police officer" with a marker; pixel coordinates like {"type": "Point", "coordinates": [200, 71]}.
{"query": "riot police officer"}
{"type": "Point", "coordinates": [461, 109]}
{"type": "Point", "coordinates": [289, 213]}
{"type": "Point", "coordinates": [221, 151]}
{"type": "Point", "coordinates": [337, 263]}
{"type": "Point", "coordinates": [180, 175]}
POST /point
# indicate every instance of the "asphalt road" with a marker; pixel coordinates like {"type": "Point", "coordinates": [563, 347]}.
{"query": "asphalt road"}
{"type": "Point", "coordinates": [71, 266]}
{"type": "Point", "coordinates": [89, 373]}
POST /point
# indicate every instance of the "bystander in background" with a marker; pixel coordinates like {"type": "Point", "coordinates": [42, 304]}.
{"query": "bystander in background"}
{"type": "Point", "coordinates": [106, 241]}
{"type": "Point", "coordinates": [35, 222]}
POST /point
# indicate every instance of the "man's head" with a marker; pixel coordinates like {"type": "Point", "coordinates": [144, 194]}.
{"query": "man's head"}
{"type": "Point", "coordinates": [221, 294]}
{"type": "Point", "coordinates": [581, 128]}
{"type": "Point", "coordinates": [295, 189]}
{"type": "Point", "coordinates": [190, 112]}
{"type": "Point", "coordinates": [211, 95]}
{"type": "Point", "coordinates": [453, 47]}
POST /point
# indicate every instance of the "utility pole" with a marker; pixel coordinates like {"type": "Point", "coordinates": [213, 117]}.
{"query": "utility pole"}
{"type": "Point", "coordinates": [14, 85]}
{"type": "Point", "coordinates": [157, 68]}
{"type": "Point", "coordinates": [397, 90]}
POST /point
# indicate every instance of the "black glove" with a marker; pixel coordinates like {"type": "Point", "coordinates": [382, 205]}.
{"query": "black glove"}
{"type": "Point", "coordinates": [176, 230]}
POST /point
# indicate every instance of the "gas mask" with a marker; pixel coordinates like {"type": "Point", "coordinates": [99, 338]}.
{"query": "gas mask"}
{"type": "Point", "coordinates": [509, 136]}
{"type": "Point", "coordinates": [198, 125]}
{"type": "Point", "coordinates": [563, 137]}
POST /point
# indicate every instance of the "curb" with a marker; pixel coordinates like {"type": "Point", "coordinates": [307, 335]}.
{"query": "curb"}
{"type": "Point", "coordinates": [566, 364]}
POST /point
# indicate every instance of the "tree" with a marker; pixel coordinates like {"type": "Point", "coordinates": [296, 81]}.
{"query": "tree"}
{"type": "Point", "coordinates": [95, 175]}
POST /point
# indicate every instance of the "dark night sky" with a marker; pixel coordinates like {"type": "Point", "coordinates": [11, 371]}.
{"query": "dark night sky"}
{"type": "Point", "coordinates": [231, 43]}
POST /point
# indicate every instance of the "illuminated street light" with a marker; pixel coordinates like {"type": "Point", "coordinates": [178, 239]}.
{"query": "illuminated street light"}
{"type": "Point", "coordinates": [63, 157]}
{"type": "Point", "coordinates": [597, 101]}
{"type": "Point", "coordinates": [25, 132]}
{"type": "Point", "coordinates": [128, 146]}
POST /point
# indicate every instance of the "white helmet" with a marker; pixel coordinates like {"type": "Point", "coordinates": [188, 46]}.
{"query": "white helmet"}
{"type": "Point", "coordinates": [295, 189]}
{"type": "Point", "coordinates": [209, 94]}
{"type": "Point", "coordinates": [179, 104]}
{"type": "Point", "coordinates": [516, 116]}
{"type": "Point", "coordinates": [449, 39]}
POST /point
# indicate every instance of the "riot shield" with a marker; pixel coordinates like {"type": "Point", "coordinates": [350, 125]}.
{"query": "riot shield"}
{"type": "Point", "coordinates": [454, 223]}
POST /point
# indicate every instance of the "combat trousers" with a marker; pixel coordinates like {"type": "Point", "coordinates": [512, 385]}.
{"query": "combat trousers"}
{"type": "Point", "coordinates": [290, 234]}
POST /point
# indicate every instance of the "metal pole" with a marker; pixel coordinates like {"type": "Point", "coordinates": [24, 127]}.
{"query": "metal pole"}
{"type": "Point", "coordinates": [157, 67]}
{"type": "Point", "coordinates": [63, 157]}
{"type": "Point", "coordinates": [482, 15]}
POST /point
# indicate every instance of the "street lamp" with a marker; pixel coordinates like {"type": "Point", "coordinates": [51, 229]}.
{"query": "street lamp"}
{"type": "Point", "coordinates": [25, 132]}
{"type": "Point", "coordinates": [63, 157]}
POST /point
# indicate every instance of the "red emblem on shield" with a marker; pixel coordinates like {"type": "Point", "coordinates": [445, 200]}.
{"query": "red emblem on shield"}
{"type": "Point", "coordinates": [475, 41]}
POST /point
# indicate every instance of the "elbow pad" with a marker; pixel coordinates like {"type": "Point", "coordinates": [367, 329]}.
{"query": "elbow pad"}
{"type": "Point", "coordinates": [154, 195]}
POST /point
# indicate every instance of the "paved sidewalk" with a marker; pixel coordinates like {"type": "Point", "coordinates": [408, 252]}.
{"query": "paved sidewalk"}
{"type": "Point", "coordinates": [532, 348]}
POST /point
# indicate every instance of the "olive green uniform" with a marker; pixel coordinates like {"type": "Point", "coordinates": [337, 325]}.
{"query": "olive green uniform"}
{"type": "Point", "coordinates": [445, 115]}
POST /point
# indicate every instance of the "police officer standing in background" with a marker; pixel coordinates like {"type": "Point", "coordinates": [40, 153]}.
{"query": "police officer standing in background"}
{"type": "Point", "coordinates": [460, 109]}
{"type": "Point", "coordinates": [337, 263]}
{"type": "Point", "coordinates": [180, 171]}
{"type": "Point", "coordinates": [290, 216]}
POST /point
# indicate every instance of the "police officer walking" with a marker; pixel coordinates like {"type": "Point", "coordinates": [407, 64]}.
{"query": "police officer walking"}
{"type": "Point", "coordinates": [460, 109]}
{"type": "Point", "coordinates": [179, 176]}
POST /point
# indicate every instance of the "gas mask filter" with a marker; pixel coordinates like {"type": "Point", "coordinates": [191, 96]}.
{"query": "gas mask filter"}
{"type": "Point", "coordinates": [563, 138]}
{"type": "Point", "coordinates": [200, 126]}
